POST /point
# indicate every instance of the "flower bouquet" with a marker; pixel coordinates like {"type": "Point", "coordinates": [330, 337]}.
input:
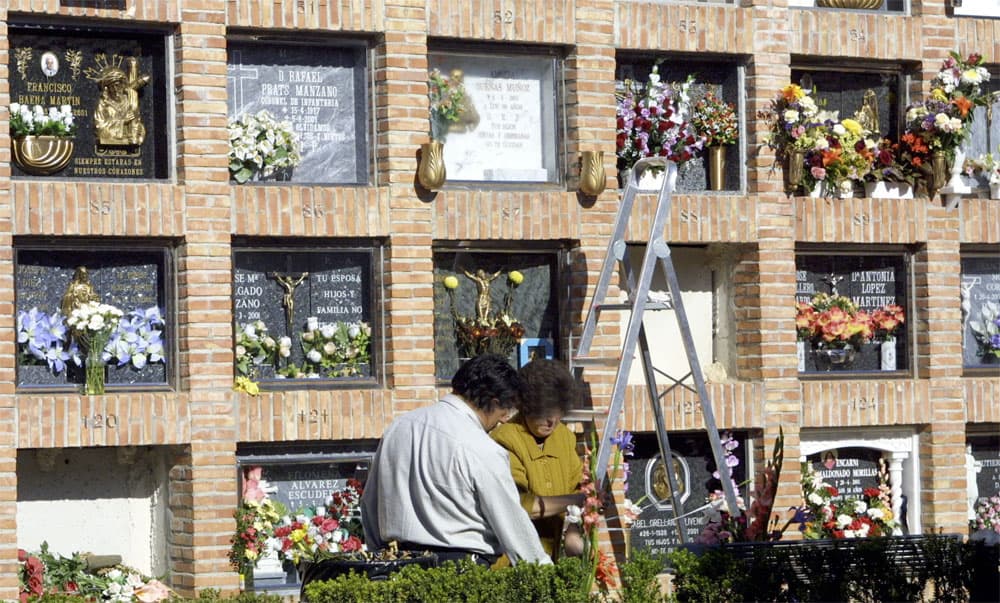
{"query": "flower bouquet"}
{"type": "Point", "coordinates": [715, 120]}
{"type": "Point", "coordinates": [255, 520]}
{"type": "Point", "coordinates": [92, 324]}
{"type": "Point", "coordinates": [653, 121]}
{"type": "Point", "coordinates": [840, 156]}
{"type": "Point", "coordinates": [832, 322]}
{"type": "Point", "coordinates": [321, 532]}
{"type": "Point", "coordinates": [338, 349]}
{"type": "Point", "coordinates": [827, 517]}
{"type": "Point", "coordinates": [795, 123]}
{"type": "Point", "coordinates": [488, 332]}
{"type": "Point", "coordinates": [137, 340]}
{"type": "Point", "coordinates": [986, 330]}
{"type": "Point", "coordinates": [261, 145]}
{"type": "Point", "coordinates": [36, 121]}
{"type": "Point", "coordinates": [43, 339]}
{"type": "Point", "coordinates": [255, 348]}
{"type": "Point", "coordinates": [448, 102]}
{"type": "Point", "coordinates": [987, 515]}
{"type": "Point", "coordinates": [48, 575]}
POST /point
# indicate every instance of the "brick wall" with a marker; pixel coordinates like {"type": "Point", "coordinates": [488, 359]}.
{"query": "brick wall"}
{"type": "Point", "coordinates": [201, 212]}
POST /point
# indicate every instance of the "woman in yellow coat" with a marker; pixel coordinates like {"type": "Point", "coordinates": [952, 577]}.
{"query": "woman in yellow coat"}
{"type": "Point", "coordinates": [543, 454]}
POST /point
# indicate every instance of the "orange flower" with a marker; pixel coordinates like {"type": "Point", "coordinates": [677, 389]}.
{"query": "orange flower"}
{"type": "Point", "coordinates": [963, 105]}
{"type": "Point", "coordinates": [831, 156]}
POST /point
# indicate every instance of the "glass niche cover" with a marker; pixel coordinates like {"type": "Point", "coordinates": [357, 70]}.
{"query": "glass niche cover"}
{"type": "Point", "coordinates": [851, 312]}
{"type": "Point", "coordinates": [507, 133]}
{"type": "Point", "coordinates": [302, 315]}
{"type": "Point", "coordinates": [319, 91]}
{"type": "Point", "coordinates": [981, 311]}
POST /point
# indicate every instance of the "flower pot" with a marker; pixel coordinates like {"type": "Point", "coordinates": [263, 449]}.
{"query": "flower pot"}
{"type": "Point", "coordinates": [593, 178]}
{"type": "Point", "coordinates": [96, 373]}
{"type": "Point", "coordinates": [844, 190]}
{"type": "Point", "coordinates": [431, 172]}
{"type": "Point", "coordinates": [995, 191]}
{"type": "Point", "coordinates": [831, 359]}
{"type": "Point", "coordinates": [716, 167]}
{"type": "Point", "coordinates": [888, 190]}
{"type": "Point", "coordinates": [794, 170]}
{"type": "Point", "coordinates": [41, 155]}
{"type": "Point", "coordinates": [888, 354]}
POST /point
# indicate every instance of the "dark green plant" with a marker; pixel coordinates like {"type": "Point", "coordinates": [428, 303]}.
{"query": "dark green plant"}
{"type": "Point", "coordinates": [639, 577]}
{"type": "Point", "coordinates": [712, 577]}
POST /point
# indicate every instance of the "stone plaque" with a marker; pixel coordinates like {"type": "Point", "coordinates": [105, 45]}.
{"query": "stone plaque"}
{"type": "Point", "coordinates": [980, 285]}
{"type": "Point", "coordinates": [986, 451]}
{"type": "Point", "coordinates": [870, 281]}
{"type": "Point", "coordinates": [285, 288]}
{"type": "Point", "coordinates": [693, 464]}
{"type": "Point", "coordinates": [115, 84]}
{"type": "Point", "coordinates": [321, 90]}
{"type": "Point", "coordinates": [849, 470]}
{"type": "Point", "coordinates": [300, 485]}
{"type": "Point", "coordinates": [535, 302]}
{"type": "Point", "coordinates": [135, 281]}
{"type": "Point", "coordinates": [509, 134]}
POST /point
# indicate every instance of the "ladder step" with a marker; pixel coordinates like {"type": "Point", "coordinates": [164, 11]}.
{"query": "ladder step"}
{"type": "Point", "coordinates": [650, 305]}
{"type": "Point", "coordinates": [596, 360]}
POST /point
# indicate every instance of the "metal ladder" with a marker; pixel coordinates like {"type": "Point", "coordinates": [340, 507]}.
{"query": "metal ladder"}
{"type": "Point", "coordinates": [635, 334]}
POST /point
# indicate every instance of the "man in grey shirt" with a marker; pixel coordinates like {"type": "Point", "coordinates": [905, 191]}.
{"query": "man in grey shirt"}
{"type": "Point", "coordinates": [440, 483]}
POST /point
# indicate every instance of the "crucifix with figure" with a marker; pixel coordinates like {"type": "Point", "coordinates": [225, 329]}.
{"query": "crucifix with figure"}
{"type": "Point", "coordinates": [289, 281]}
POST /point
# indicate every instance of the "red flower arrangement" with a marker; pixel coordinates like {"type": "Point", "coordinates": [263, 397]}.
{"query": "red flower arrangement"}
{"type": "Point", "coordinates": [868, 516]}
{"type": "Point", "coordinates": [321, 532]}
{"type": "Point", "coordinates": [887, 320]}
{"type": "Point", "coordinates": [32, 575]}
{"type": "Point", "coordinates": [833, 322]}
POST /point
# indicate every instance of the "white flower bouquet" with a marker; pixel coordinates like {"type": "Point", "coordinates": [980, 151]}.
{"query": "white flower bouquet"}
{"type": "Point", "coordinates": [92, 324]}
{"type": "Point", "coordinates": [36, 121]}
{"type": "Point", "coordinates": [261, 144]}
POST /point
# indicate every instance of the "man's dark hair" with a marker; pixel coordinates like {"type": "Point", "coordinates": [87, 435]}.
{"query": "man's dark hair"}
{"type": "Point", "coordinates": [550, 388]}
{"type": "Point", "coordinates": [486, 377]}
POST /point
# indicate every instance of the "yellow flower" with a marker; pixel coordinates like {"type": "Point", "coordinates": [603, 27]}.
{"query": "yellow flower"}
{"type": "Point", "coordinates": [450, 282]}
{"type": "Point", "coordinates": [939, 94]}
{"type": "Point", "coordinates": [516, 277]}
{"type": "Point", "coordinates": [792, 92]}
{"type": "Point", "coordinates": [852, 126]}
{"type": "Point", "coordinates": [247, 385]}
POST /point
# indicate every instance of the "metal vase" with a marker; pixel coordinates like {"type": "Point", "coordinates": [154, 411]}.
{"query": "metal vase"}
{"type": "Point", "coordinates": [593, 178]}
{"type": "Point", "coordinates": [41, 155]}
{"type": "Point", "coordinates": [716, 167]}
{"type": "Point", "coordinates": [431, 172]}
{"type": "Point", "coordinates": [939, 172]}
{"type": "Point", "coordinates": [794, 170]}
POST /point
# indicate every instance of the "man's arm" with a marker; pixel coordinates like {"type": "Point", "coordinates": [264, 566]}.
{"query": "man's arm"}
{"type": "Point", "coordinates": [497, 497]}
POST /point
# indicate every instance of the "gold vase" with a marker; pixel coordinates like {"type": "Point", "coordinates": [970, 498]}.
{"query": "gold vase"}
{"type": "Point", "coordinates": [939, 172]}
{"type": "Point", "coordinates": [593, 178]}
{"type": "Point", "coordinates": [430, 172]}
{"type": "Point", "coordinates": [41, 155]}
{"type": "Point", "coordinates": [716, 167]}
{"type": "Point", "coordinates": [794, 170]}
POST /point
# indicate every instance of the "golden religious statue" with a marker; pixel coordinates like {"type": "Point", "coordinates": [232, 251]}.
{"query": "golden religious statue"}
{"type": "Point", "coordinates": [289, 282]}
{"type": "Point", "coordinates": [78, 292]}
{"type": "Point", "coordinates": [117, 117]}
{"type": "Point", "coordinates": [661, 483]}
{"type": "Point", "coordinates": [867, 114]}
{"type": "Point", "coordinates": [483, 302]}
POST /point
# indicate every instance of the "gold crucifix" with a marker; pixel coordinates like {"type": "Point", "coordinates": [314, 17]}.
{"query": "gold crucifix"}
{"type": "Point", "coordinates": [289, 282]}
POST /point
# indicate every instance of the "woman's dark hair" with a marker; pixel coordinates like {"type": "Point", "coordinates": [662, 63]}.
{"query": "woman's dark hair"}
{"type": "Point", "coordinates": [550, 388]}
{"type": "Point", "coordinates": [486, 377]}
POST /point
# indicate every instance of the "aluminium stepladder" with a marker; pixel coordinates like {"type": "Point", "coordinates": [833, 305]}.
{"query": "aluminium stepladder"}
{"type": "Point", "coordinates": [657, 255]}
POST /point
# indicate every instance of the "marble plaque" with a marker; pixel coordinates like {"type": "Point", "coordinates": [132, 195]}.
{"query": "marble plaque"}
{"type": "Point", "coordinates": [986, 451]}
{"type": "Point", "coordinates": [849, 470]}
{"type": "Point", "coordinates": [980, 284]}
{"type": "Point", "coordinates": [333, 286]}
{"type": "Point", "coordinates": [300, 485]}
{"type": "Point", "coordinates": [321, 90]}
{"type": "Point", "coordinates": [120, 111]}
{"type": "Point", "coordinates": [512, 135]}
{"type": "Point", "coordinates": [693, 465]}
{"type": "Point", "coordinates": [535, 303]}
{"type": "Point", "coordinates": [870, 281]}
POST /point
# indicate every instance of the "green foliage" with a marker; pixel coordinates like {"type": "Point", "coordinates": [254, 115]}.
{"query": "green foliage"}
{"type": "Point", "coordinates": [460, 582]}
{"type": "Point", "coordinates": [639, 578]}
{"type": "Point", "coordinates": [864, 570]}
{"type": "Point", "coordinates": [211, 595]}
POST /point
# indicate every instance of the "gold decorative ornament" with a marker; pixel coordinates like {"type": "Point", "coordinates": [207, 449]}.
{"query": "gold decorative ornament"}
{"type": "Point", "coordinates": [716, 167]}
{"type": "Point", "coordinates": [22, 56]}
{"type": "Point", "coordinates": [289, 282]}
{"type": "Point", "coordinates": [78, 292]}
{"type": "Point", "coordinates": [483, 301]}
{"type": "Point", "coordinates": [431, 172]}
{"type": "Point", "coordinates": [41, 155]}
{"type": "Point", "coordinates": [593, 178]}
{"type": "Point", "coordinates": [75, 60]}
{"type": "Point", "coordinates": [867, 114]}
{"type": "Point", "coordinates": [855, 4]}
{"type": "Point", "coordinates": [117, 118]}
{"type": "Point", "coordinates": [939, 172]}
